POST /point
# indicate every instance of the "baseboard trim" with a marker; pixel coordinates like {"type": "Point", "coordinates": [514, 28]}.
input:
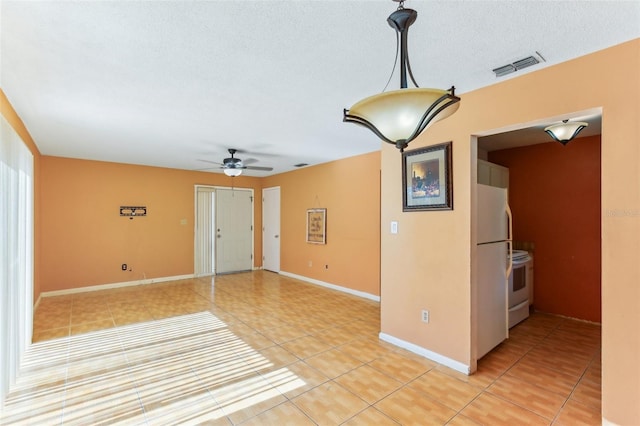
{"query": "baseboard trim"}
{"type": "Point", "coordinates": [332, 286]}
{"type": "Point", "coordinates": [433, 356]}
{"type": "Point", "coordinates": [35, 305]}
{"type": "Point", "coordinates": [114, 285]}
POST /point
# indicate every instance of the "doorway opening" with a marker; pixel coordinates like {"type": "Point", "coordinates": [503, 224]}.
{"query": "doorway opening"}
{"type": "Point", "coordinates": [223, 235]}
{"type": "Point", "coordinates": [554, 196]}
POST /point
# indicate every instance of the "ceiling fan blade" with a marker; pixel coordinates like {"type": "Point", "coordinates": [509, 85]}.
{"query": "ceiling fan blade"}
{"type": "Point", "coordinates": [250, 161]}
{"type": "Point", "coordinates": [266, 169]}
{"type": "Point", "coordinates": [211, 162]}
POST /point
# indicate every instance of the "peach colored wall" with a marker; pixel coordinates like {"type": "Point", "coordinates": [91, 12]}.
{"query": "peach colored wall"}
{"type": "Point", "coordinates": [7, 111]}
{"type": "Point", "coordinates": [350, 191]}
{"type": "Point", "coordinates": [554, 194]}
{"type": "Point", "coordinates": [85, 241]}
{"type": "Point", "coordinates": [430, 263]}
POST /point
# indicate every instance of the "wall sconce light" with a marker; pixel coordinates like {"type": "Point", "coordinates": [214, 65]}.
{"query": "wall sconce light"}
{"type": "Point", "coordinates": [565, 131]}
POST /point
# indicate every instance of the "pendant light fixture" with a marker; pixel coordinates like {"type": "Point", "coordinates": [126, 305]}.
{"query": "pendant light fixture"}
{"type": "Point", "coordinates": [565, 131]}
{"type": "Point", "coordinates": [399, 116]}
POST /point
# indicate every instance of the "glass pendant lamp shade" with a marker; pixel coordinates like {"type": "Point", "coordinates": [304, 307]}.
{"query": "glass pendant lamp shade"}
{"type": "Point", "coordinates": [397, 117]}
{"type": "Point", "coordinates": [565, 131]}
{"type": "Point", "coordinates": [233, 172]}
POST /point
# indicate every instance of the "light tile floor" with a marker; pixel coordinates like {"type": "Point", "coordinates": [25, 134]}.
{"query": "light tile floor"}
{"type": "Point", "coordinates": [263, 349]}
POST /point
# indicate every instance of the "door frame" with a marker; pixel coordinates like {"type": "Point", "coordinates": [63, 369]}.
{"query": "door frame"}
{"type": "Point", "coordinates": [473, 140]}
{"type": "Point", "coordinates": [195, 219]}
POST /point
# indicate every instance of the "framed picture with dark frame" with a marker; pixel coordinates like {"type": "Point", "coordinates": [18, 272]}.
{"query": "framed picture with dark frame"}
{"type": "Point", "coordinates": [427, 178]}
{"type": "Point", "coordinates": [317, 226]}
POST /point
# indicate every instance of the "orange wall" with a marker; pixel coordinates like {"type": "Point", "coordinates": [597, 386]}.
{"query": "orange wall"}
{"type": "Point", "coordinates": [350, 191]}
{"type": "Point", "coordinates": [82, 225]}
{"type": "Point", "coordinates": [431, 262]}
{"type": "Point", "coordinates": [554, 194]}
{"type": "Point", "coordinates": [12, 118]}
{"type": "Point", "coordinates": [85, 241]}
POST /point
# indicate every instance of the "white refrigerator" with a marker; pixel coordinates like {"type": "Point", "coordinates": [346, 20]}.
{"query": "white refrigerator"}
{"type": "Point", "coordinates": [494, 267]}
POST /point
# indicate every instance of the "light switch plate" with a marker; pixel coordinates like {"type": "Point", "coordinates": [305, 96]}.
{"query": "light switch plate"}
{"type": "Point", "coordinates": [394, 227]}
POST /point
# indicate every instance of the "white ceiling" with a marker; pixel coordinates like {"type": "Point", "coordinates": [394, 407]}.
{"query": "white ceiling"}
{"type": "Point", "coordinates": [170, 83]}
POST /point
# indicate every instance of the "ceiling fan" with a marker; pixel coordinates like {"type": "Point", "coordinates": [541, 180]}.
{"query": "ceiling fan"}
{"type": "Point", "coordinates": [233, 166]}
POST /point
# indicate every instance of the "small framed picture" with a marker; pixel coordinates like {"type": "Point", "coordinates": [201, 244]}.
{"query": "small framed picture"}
{"type": "Point", "coordinates": [317, 226]}
{"type": "Point", "coordinates": [426, 178]}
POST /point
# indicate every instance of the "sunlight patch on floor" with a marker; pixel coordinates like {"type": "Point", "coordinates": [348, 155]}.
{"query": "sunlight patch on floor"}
{"type": "Point", "coordinates": [189, 368]}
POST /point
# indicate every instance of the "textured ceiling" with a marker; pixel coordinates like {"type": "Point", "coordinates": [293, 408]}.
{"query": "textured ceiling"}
{"type": "Point", "coordinates": [171, 83]}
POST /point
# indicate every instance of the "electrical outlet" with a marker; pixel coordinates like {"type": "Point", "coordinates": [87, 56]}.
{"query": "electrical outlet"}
{"type": "Point", "coordinates": [425, 316]}
{"type": "Point", "coordinates": [124, 266]}
{"type": "Point", "coordinates": [310, 264]}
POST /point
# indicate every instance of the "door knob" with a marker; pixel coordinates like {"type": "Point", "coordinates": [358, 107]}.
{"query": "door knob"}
{"type": "Point", "coordinates": [276, 236]}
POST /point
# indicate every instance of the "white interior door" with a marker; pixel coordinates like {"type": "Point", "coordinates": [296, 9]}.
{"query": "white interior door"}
{"type": "Point", "coordinates": [234, 230]}
{"type": "Point", "coordinates": [271, 229]}
{"type": "Point", "coordinates": [205, 232]}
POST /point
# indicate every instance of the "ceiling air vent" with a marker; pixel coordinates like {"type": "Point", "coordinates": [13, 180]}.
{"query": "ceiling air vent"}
{"type": "Point", "coordinates": [517, 65]}
{"type": "Point", "coordinates": [504, 70]}
{"type": "Point", "coordinates": [526, 62]}
{"type": "Point", "coordinates": [300, 165]}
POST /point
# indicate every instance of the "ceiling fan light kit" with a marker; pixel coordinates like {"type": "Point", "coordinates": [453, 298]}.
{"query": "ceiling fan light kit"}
{"type": "Point", "coordinates": [565, 131]}
{"type": "Point", "coordinates": [232, 166]}
{"type": "Point", "coordinates": [232, 172]}
{"type": "Point", "coordinates": [398, 117]}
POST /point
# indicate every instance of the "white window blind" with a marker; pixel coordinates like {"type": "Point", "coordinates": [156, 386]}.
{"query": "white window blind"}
{"type": "Point", "coordinates": [205, 231]}
{"type": "Point", "coordinates": [16, 254]}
